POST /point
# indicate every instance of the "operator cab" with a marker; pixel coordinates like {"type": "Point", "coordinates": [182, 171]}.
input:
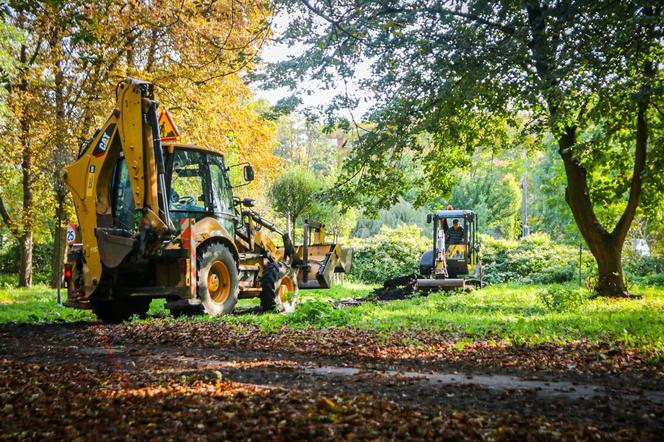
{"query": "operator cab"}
{"type": "Point", "coordinates": [454, 231]}
{"type": "Point", "coordinates": [197, 184]}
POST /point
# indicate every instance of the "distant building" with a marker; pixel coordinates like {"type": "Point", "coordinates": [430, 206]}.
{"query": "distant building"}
{"type": "Point", "coordinates": [641, 247]}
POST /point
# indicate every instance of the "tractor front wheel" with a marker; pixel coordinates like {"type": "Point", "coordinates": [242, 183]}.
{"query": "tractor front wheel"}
{"type": "Point", "coordinates": [280, 290]}
{"type": "Point", "coordinates": [218, 283]}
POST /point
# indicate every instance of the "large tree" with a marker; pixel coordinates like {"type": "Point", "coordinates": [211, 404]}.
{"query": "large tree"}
{"type": "Point", "coordinates": [69, 61]}
{"type": "Point", "coordinates": [463, 72]}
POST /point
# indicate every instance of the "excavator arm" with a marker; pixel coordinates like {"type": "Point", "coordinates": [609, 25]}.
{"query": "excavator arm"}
{"type": "Point", "coordinates": [132, 132]}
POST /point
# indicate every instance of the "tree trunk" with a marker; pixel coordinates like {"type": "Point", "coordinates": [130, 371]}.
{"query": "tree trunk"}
{"type": "Point", "coordinates": [25, 272]}
{"type": "Point", "coordinates": [606, 247]}
{"type": "Point", "coordinates": [611, 281]}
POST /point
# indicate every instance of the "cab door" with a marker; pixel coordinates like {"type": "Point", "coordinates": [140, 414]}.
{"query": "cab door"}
{"type": "Point", "coordinates": [221, 192]}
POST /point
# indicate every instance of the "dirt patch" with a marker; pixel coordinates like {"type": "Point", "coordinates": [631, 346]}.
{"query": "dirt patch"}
{"type": "Point", "coordinates": [394, 289]}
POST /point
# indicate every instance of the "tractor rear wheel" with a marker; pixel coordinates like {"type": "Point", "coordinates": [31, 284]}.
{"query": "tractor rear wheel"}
{"type": "Point", "coordinates": [218, 282]}
{"type": "Point", "coordinates": [113, 311]}
{"type": "Point", "coordinates": [280, 290]}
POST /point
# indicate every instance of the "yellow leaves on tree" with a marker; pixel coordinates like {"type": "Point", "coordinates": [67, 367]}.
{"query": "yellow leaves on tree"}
{"type": "Point", "coordinates": [195, 53]}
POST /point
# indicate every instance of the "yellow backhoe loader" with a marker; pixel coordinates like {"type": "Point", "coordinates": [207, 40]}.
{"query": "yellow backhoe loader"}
{"type": "Point", "coordinates": [159, 220]}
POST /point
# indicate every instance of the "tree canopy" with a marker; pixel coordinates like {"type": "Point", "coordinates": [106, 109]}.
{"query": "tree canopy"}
{"type": "Point", "coordinates": [60, 78]}
{"type": "Point", "coordinates": [446, 77]}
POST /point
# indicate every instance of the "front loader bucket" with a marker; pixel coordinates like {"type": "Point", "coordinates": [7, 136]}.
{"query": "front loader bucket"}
{"type": "Point", "coordinates": [441, 284]}
{"type": "Point", "coordinates": [323, 261]}
{"type": "Point", "coordinates": [345, 260]}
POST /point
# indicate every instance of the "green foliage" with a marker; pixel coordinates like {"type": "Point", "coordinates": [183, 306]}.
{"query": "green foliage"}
{"type": "Point", "coordinates": [305, 144]}
{"type": "Point", "coordinates": [644, 269]}
{"type": "Point", "coordinates": [548, 210]}
{"type": "Point", "coordinates": [539, 259]}
{"type": "Point", "coordinates": [402, 213]}
{"type": "Point", "coordinates": [534, 259]}
{"type": "Point", "coordinates": [293, 192]}
{"type": "Point", "coordinates": [558, 298]}
{"type": "Point", "coordinates": [495, 196]}
{"type": "Point", "coordinates": [390, 253]}
{"type": "Point", "coordinates": [317, 314]}
{"type": "Point", "coordinates": [10, 258]}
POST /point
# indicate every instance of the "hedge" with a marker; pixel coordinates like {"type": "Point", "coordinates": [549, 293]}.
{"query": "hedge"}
{"type": "Point", "coordinates": [534, 259]}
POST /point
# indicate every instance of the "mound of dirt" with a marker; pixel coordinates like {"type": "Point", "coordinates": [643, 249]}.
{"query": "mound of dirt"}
{"type": "Point", "coordinates": [402, 287]}
{"type": "Point", "coordinates": [393, 289]}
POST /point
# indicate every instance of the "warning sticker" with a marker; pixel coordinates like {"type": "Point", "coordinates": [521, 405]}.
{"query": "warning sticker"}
{"type": "Point", "coordinates": [71, 234]}
{"type": "Point", "coordinates": [167, 129]}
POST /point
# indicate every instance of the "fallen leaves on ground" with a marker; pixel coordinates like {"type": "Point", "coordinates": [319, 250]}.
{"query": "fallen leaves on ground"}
{"type": "Point", "coordinates": [75, 401]}
{"type": "Point", "coordinates": [421, 348]}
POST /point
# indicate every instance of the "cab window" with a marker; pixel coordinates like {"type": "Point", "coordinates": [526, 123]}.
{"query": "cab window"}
{"type": "Point", "coordinates": [188, 183]}
{"type": "Point", "coordinates": [123, 201]}
{"type": "Point", "coordinates": [222, 194]}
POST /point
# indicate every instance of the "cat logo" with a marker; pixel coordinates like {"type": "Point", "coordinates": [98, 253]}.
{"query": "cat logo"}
{"type": "Point", "coordinates": [167, 129]}
{"type": "Point", "coordinates": [102, 145]}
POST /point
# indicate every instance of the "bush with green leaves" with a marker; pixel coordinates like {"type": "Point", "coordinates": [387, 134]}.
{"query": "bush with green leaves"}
{"type": "Point", "coordinates": [534, 259]}
{"type": "Point", "coordinates": [539, 259]}
{"type": "Point", "coordinates": [10, 258]}
{"type": "Point", "coordinates": [388, 254]}
{"type": "Point", "coordinates": [640, 269]}
{"type": "Point", "coordinates": [558, 298]}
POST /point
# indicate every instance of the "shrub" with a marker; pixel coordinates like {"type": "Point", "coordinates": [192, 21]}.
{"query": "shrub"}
{"type": "Point", "coordinates": [317, 313]}
{"type": "Point", "coordinates": [643, 269]}
{"type": "Point", "coordinates": [10, 258]}
{"type": "Point", "coordinates": [560, 299]}
{"type": "Point", "coordinates": [388, 254]}
{"type": "Point", "coordinates": [535, 258]}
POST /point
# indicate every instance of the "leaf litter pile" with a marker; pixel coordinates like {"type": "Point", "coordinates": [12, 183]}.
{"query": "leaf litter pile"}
{"type": "Point", "coordinates": [210, 380]}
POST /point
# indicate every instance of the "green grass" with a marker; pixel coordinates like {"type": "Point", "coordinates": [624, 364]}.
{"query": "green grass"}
{"type": "Point", "coordinates": [514, 312]}
{"type": "Point", "coordinates": [36, 305]}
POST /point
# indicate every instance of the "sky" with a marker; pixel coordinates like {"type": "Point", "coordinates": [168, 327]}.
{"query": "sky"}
{"type": "Point", "coordinates": [274, 52]}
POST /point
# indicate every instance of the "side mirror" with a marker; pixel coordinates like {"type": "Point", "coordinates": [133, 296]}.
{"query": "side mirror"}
{"type": "Point", "coordinates": [248, 173]}
{"type": "Point", "coordinates": [429, 218]}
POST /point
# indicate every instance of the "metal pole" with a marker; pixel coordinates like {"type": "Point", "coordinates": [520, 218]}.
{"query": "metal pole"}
{"type": "Point", "coordinates": [58, 242]}
{"type": "Point", "coordinates": [580, 256]}
{"type": "Point", "coordinates": [524, 206]}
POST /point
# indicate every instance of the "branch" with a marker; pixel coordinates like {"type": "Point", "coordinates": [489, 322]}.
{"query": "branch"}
{"type": "Point", "coordinates": [334, 23]}
{"type": "Point", "coordinates": [622, 227]}
{"type": "Point", "coordinates": [7, 219]}
{"type": "Point", "coordinates": [507, 29]}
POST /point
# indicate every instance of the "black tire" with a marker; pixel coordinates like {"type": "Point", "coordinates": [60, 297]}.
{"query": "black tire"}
{"type": "Point", "coordinates": [220, 299]}
{"type": "Point", "coordinates": [280, 290]}
{"type": "Point", "coordinates": [114, 311]}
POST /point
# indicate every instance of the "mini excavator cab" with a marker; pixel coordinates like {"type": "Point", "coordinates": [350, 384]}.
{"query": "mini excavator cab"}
{"type": "Point", "coordinates": [453, 261]}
